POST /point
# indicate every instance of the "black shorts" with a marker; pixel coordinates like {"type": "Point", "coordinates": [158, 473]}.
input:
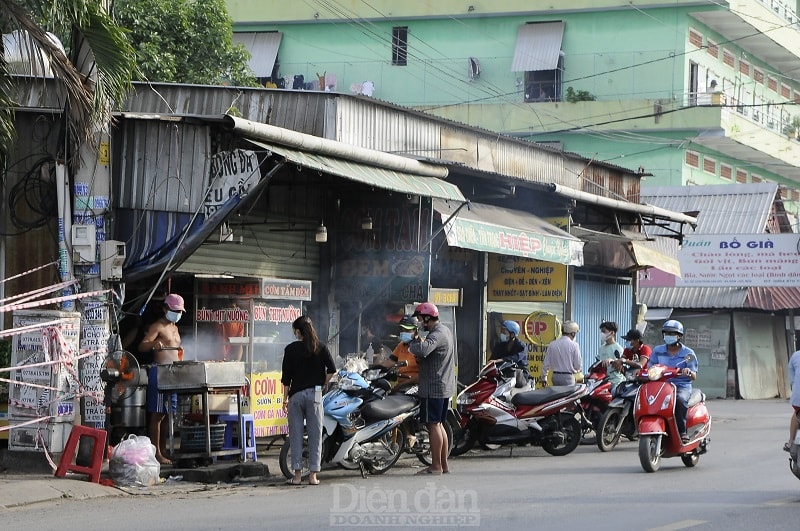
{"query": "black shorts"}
{"type": "Point", "coordinates": [433, 410]}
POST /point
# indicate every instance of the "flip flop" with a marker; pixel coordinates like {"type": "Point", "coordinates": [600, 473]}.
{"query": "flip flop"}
{"type": "Point", "coordinates": [293, 482]}
{"type": "Point", "coordinates": [427, 472]}
{"type": "Point", "coordinates": [314, 483]}
{"type": "Point", "coordinates": [786, 447]}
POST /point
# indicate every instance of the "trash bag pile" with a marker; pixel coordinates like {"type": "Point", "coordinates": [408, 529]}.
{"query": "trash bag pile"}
{"type": "Point", "coordinates": [133, 463]}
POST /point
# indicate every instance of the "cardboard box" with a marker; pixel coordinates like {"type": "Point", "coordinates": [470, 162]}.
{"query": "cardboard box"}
{"type": "Point", "coordinates": [218, 404]}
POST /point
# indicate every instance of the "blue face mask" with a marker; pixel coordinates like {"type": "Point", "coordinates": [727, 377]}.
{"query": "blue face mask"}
{"type": "Point", "coordinates": [173, 317]}
{"type": "Point", "coordinates": [405, 337]}
{"type": "Point", "coordinates": [670, 340]}
{"type": "Point", "coordinates": [503, 337]}
{"type": "Point", "coordinates": [627, 344]}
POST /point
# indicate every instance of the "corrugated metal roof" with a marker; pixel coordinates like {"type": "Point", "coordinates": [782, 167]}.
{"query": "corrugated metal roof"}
{"type": "Point", "coordinates": [723, 209]}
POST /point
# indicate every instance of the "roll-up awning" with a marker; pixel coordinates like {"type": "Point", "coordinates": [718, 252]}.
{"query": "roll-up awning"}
{"type": "Point", "coordinates": [379, 177]}
{"type": "Point", "coordinates": [511, 232]}
{"type": "Point", "coordinates": [538, 46]}
{"type": "Point", "coordinates": [263, 47]}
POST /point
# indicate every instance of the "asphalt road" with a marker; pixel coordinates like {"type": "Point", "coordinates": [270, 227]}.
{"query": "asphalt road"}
{"type": "Point", "coordinates": [742, 483]}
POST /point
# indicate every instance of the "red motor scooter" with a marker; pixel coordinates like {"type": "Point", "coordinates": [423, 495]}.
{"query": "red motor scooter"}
{"type": "Point", "coordinates": [544, 417]}
{"type": "Point", "coordinates": [596, 401]}
{"type": "Point", "coordinates": [654, 411]}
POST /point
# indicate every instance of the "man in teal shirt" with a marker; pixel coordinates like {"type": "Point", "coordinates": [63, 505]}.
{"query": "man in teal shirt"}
{"type": "Point", "coordinates": [611, 353]}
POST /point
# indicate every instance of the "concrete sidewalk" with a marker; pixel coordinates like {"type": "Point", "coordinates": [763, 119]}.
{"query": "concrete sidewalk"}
{"type": "Point", "coordinates": [27, 479]}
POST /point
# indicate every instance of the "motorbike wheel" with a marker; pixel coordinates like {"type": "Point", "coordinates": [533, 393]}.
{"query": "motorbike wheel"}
{"type": "Point", "coordinates": [690, 460]}
{"type": "Point", "coordinates": [463, 442]}
{"type": "Point", "coordinates": [395, 443]}
{"type": "Point", "coordinates": [608, 429]}
{"type": "Point", "coordinates": [571, 428]}
{"type": "Point", "coordinates": [649, 453]}
{"type": "Point", "coordinates": [285, 459]}
{"type": "Point", "coordinates": [424, 441]}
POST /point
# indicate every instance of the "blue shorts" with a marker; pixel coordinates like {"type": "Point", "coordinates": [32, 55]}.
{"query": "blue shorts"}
{"type": "Point", "coordinates": [433, 410]}
{"type": "Point", "coordinates": [157, 402]}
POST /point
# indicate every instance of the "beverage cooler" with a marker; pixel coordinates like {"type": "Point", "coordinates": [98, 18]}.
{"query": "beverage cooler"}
{"type": "Point", "coordinates": [55, 408]}
{"type": "Point", "coordinates": [249, 320]}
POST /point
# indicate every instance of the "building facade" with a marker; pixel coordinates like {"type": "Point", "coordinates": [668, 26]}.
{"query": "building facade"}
{"type": "Point", "coordinates": [691, 93]}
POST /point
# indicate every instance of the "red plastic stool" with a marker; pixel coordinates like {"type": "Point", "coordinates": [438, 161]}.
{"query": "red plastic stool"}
{"type": "Point", "coordinates": [93, 470]}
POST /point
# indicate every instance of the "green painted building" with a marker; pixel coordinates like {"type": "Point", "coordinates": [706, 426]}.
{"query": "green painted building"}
{"type": "Point", "coordinates": [694, 92]}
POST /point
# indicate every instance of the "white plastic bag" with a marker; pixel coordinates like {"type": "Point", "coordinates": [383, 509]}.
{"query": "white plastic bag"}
{"type": "Point", "coordinates": [133, 463]}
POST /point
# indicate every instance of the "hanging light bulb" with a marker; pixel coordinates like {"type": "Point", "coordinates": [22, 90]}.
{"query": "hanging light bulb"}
{"type": "Point", "coordinates": [321, 235]}
{"type": "Point", "coordinates": [366, 222]}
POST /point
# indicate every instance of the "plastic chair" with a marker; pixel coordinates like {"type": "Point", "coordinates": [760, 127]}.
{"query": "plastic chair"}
{"type": "Point", "coordinates": [93, 470]}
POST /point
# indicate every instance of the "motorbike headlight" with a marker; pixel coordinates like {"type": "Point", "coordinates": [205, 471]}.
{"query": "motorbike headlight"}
{"type": "Point", "coordinates": [654, 373]}
{"type": "Point", "coordinates": [464, 399]}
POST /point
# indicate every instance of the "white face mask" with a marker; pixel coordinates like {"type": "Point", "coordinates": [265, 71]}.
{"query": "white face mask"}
{"type": "Point", "coordinates": [604, 336]}
{"type": "Point", "coordinates": [173, 317]}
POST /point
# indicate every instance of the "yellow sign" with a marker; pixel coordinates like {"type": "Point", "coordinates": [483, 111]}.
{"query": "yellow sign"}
{"type": "Point", "coordinates": [103, 153]}
{"type": "Point", "coordinates": [538, 329]}
{"type": "Point", "coordinates": [266, 404]}
{"type": "Point", "coordinates": [445, 296]}
{"type": "Point", "coordinates": [513, 278]}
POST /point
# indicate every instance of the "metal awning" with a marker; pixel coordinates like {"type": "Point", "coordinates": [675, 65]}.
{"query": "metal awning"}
{"type": "Point", "coordinates": [538, 46]}
{"type": "Point", "coordinates": [633, 250]}
{"type": "Point", "coordinates": [499, 230]}
{"type": "Point", "coordinates": [379, 177]}
{"type": "Point", "coordinates": [263, 47]}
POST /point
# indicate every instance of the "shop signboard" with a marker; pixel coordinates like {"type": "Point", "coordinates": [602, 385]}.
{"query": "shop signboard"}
{"type": "Point", "coordinates": [390, 261]}
{"type": "Point", "coordinates": [266, 392]}
{"type": "Point", "coordinates": [733, 260]}
{"type": "Point", "coordinates": [537, 330]}
{"type": "Point", "coordinates": [514, 278]}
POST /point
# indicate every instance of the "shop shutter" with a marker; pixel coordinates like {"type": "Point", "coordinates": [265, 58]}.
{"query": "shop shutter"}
{"type": "Point", "coordinates": [262, 253]}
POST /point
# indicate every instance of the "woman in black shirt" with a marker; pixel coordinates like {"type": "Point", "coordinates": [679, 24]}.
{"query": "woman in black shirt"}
{"type": "Point", "coordinates": [307, 367]}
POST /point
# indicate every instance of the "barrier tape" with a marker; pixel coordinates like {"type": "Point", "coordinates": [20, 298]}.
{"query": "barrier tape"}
{"type": "Point", "coordinates": [35, 293]}
{"type": "Point", "coordinates": [30, 328]}
{"type": "Point", "coordinates": [45, 302]}
{"type": "Point", "coordinates": [29, 271]}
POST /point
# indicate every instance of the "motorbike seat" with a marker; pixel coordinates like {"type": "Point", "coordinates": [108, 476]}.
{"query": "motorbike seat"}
{"type": "Point", "coordinates": [540, 396]}
{"type": "Point", "coordinates": [388, 407]}
{"type": "Point", "coordinates": [696, 397]}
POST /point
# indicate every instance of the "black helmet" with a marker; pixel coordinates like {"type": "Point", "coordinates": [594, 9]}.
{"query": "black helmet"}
{"type": "Point", "coordinates": [408, 323]}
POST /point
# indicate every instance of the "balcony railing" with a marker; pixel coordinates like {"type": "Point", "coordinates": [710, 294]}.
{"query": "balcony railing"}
{"type": "Point", "coordinates": [782, 10]}
{"type": "Point", "coordinates": [772, 118]}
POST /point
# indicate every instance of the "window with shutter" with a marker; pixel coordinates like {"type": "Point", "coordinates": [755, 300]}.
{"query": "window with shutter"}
{"type": "Point", "coordinates": [709, 165]}
{"type": "Point", "coordinates": [695, 38]}
{"type": "Point", "coordinates": [772, 84]}
{"type": "Point", "coordinates": [758, 75]}
{"type": "Point", "coordinates": [728, 58]}
{"type": "Point", "coordinates": [744, 67]}
{"type": "Point", "coordinates": [741, 176]}
{"type": "Point", "coordinates": [712, 49]}
{"type": "Point", "coordinates": [725, 171]}
{"type": "Point", "coordinates": [692, 159]}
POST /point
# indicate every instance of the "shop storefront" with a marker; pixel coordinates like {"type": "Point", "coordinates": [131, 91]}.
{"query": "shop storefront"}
{"type": "Point", "coordinates": [250, 320]}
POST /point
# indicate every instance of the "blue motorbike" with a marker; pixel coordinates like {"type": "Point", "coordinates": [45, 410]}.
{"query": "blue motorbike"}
{"type": "Point", "coordinates": [361, 427]}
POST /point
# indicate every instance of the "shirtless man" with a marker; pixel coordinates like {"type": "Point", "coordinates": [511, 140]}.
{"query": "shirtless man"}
{"type": "Point", "coordinates": [162, 339]}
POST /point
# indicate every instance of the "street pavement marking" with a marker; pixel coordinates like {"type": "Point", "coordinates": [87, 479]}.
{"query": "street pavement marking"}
{"type": "Point", "coordinates": [683, 524]}
{"type": "Point", "coordinates": [782, 501]}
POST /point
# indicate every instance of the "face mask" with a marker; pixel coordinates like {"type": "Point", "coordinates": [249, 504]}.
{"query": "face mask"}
{"type": "Point", "coordinates": [670, 340]}
{"type": "Point", "coordinates": [503, 337]}
{"type": "Point", "coordinates": [405, 337]}
{"type": "Point", "coordinates": [628, 344]}
{"type": "Point", "coordinates": [173, 317]}
{"type": "Point", "coordinates": [605, 335]}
